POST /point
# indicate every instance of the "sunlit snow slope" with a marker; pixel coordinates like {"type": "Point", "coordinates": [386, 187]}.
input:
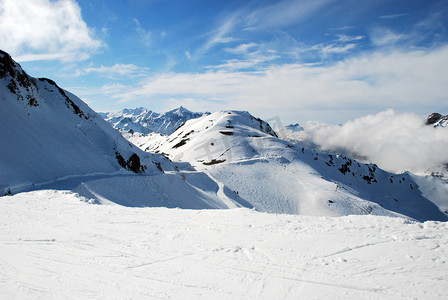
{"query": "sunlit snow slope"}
{"type": "Point", "coordinates": [52, 139]}
{"type": "Point", "coordinates": [244, 154]}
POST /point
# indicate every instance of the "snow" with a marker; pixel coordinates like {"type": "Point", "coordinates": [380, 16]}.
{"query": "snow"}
{"type": "Point", "coordinates": [55, 244]}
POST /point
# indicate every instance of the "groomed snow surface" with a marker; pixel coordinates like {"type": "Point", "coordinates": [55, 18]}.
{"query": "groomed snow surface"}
{"type": "Point", "coordinates": [57, 244]}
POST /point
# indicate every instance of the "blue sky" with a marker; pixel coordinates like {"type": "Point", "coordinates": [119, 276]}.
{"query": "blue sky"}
{"type": "Point", "coordinates": [321, 60]}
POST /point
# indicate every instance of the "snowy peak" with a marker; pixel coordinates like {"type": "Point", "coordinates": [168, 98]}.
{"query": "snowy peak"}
{"type": "Point", "coordinates": [437, 120]}
{"type": "Point", "coordinates": [294, 127]}
{"type": "Point", "coordinates": [218, 137]}
{"type": "Point", "coordinates": [180, 111]}
{"type": "Point", "coordinates": [145, 121]}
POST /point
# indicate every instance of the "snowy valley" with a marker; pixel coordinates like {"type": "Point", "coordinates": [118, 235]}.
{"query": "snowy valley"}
{"type": "Point", "coordinates": [200, 205]}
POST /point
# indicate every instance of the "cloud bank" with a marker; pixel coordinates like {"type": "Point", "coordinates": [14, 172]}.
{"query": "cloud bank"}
{"type": "Point", "coordinates": [45, 30]}
{"type": "Point", "coordinates": [405, 81]}
{"type": "Point", "coordinates": [396, 142]}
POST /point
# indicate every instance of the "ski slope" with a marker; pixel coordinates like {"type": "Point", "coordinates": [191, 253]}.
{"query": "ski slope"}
{"type": "Point", "coordinates": [56, 244]}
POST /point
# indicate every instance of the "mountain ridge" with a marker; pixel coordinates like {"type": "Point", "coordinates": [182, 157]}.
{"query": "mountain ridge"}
{"type": "Point", "coordinates": [145, 121]}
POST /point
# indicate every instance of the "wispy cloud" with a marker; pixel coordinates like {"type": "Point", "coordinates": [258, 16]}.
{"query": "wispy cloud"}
{"type": "Point", "coordinates": [346, 38]}
{"type": "Point", "coordinates": [45, 30]}
{"type": "Point", "coordinates": [283, 14]}
{"type": "Point", "coordinates": [220, 35]}
{"type": "Point", "coordinates": [116, 71]}
{"type": "Point", "coordinates": [267, 18]}
{"type": "Point", "coordinates": [144, 35]}
{"type": "Point", "coordinates": [342, 44]}
{"type": "Point", "coordinates": [334, 48]}
{"type": "Point", "coordinates": [113, 88]}
{"type": "Point", "coordinates": [393, 16]}
{"type": "Point", "coordinates": [241, 48]}
{"type": "Point", "coordinates": [256, 61]}
{"type": "Point", "coordinates": [382, 36]}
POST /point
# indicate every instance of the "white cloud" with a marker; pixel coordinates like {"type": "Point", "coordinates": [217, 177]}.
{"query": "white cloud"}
{"type": "Point", "coordinates": [284, 13]}
{"type": "Point", "coordinates": [253, 60]}
{"type": "Point", "coordinates": [381, 36]}
{"type": "Point", "coordinates": [241, 48]}
{"type": "Point", "coordinates": [145, 36]}
{"type": "Point", "coordinates": [396, 142]}
{"type": "Point", "coordinates": [333, 48]}
{"type": "Point", "coordinates": [406, 81]}
{"type": "Point", "coordinates": [45, 30]}
{"type": "Point", "coordinates": [394, 16]}
{"type": "Point", "coordinates": [220, 34]}
{"type": "Point", "coordinates": [346, 38]}
{"type": "Point", "coordinates": [116, 70]}
{"type": "Point", "coordinates": [113, 88]}
{"type": "Point", "coordinates": [272, 17]}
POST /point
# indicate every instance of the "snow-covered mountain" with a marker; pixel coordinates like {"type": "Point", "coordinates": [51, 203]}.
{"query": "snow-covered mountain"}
{"type": "Point", "coordinates": [49, 133]}
{"type": "Point", "coordinates": [52, 139]}
{"type": "Point", "coordinates": [145, 121]}
{"type": "Point", "coordinates": [244, 154]}
{"type": "Point", "coordinates": [437, 120]}
{"type": "Point", "coordinates": [294, 127]}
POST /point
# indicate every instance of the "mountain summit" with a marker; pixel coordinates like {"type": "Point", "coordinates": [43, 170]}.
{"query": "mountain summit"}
{"type": "Point", "coordinates": [437, 120]}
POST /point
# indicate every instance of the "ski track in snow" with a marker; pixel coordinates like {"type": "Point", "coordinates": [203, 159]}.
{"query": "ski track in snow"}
{"type": "Point", "coordinates": [54, 244]}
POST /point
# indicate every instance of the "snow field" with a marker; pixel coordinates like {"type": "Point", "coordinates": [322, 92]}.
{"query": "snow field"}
{"type": "Point", "coordinates": [55, 244]}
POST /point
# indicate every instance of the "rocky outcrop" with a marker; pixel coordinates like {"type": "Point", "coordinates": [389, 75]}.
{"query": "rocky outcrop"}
{"type": "Point", "coordinates": [437, 120]}
{"type": "Point", "coordinates": [132, 164]}
{"type": "Point", "coordinates": [19, 83]}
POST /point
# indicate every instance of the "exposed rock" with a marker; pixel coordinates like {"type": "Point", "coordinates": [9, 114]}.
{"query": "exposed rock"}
{"type": "Point", "coordinates": [20, 83]}
{"type": "Point", "coordinates": [132, 164]}
{"type": "Point", "coordinates": [437, 120]}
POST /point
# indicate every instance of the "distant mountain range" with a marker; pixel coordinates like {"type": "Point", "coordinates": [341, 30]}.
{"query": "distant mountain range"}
{"type": "Point", "coordinates": [145, 121]}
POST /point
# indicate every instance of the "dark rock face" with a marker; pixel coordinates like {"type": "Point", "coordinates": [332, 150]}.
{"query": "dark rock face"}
{"type": "Point", "coordinates": [120, 159]}
{"type": "Point", "coordinates": [437, 120]}
{"type": "Point", "coordinates": [132, 164]}
{"type": "Point", "coordinates": [264, 127]}
{"type": "Point", "coordinates": [433, 118]}
{"type": "Point", "coordinates": [26, 88]}
{"type": "Point", "coordinates": [20, 83]}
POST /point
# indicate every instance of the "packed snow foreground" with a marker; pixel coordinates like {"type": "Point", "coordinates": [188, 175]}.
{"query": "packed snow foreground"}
{"type": "Point", "coordinates": [61, 159]}
{"type": "Point", "coordinates": [56, 245]}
